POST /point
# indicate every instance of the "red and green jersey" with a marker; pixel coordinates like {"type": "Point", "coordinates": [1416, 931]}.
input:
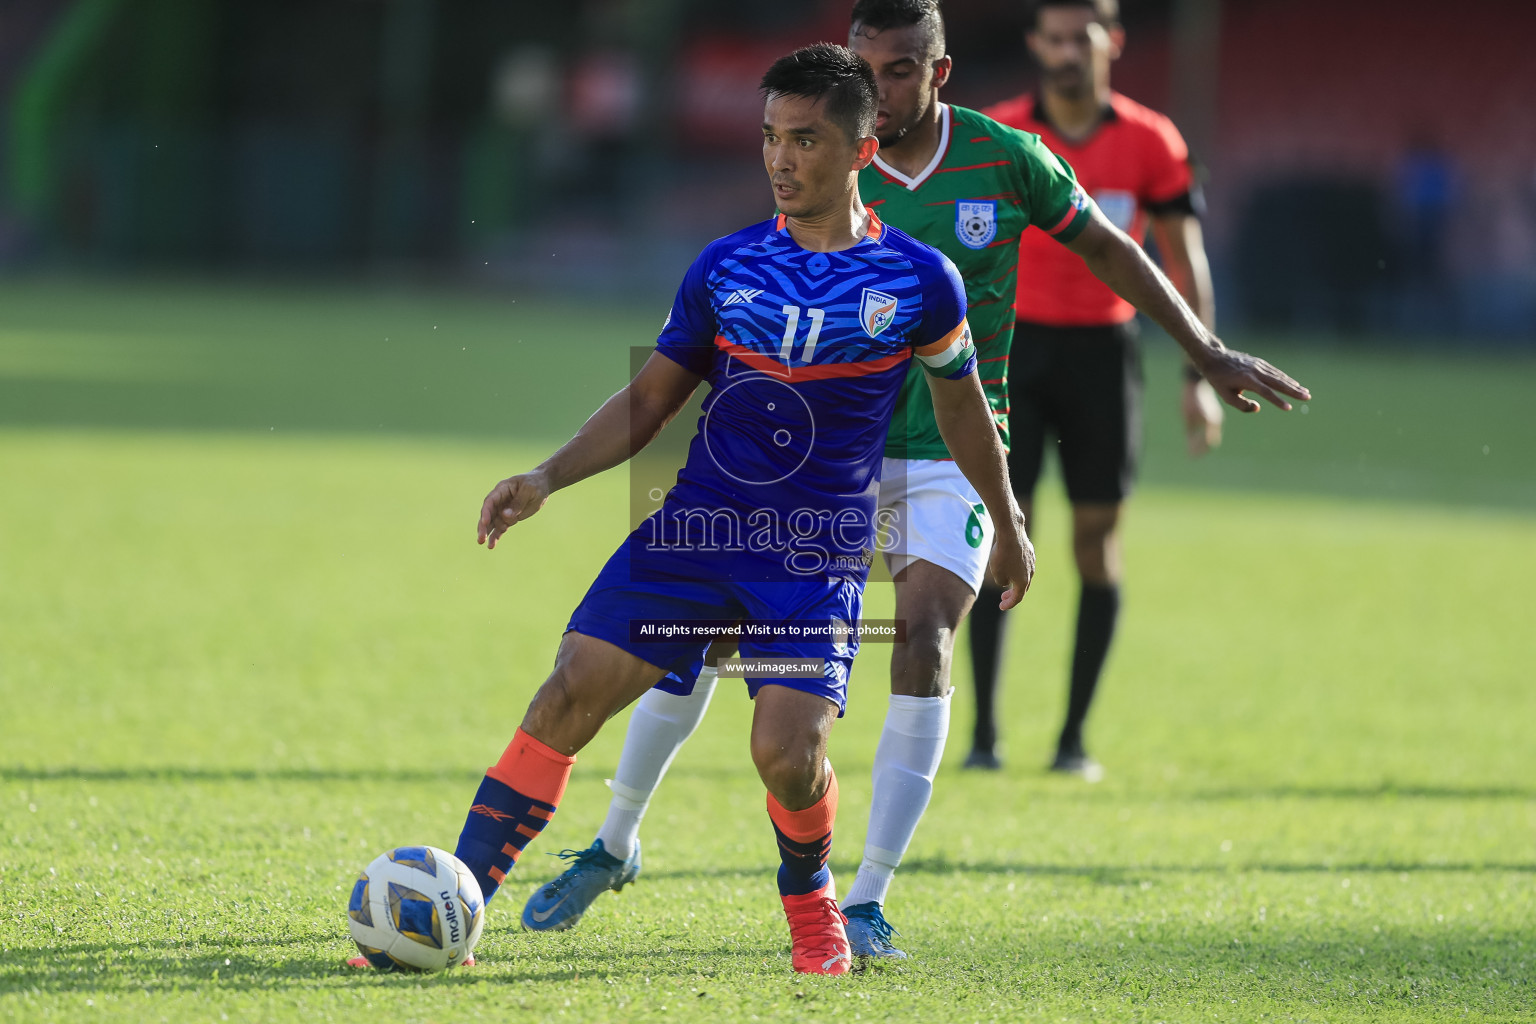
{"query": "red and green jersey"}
{"type": "Point", "coordinates": [984, 186]}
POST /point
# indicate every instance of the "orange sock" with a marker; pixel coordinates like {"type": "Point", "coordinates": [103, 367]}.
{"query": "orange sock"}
{"type": "Point", "coordinates": [805, 841]}
{"type": "Point", "coordinates": [540, 770]}
{"type": "Point", "coordinates": [812, 823]}
{"type": "Point", "coordinates": [515, 801]}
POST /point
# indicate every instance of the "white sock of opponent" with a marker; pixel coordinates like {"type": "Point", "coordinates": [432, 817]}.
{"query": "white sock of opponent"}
{"type": "Point", "coordinates": [658, 727]}
{"type": "Point", "coordinates": [906, 761]}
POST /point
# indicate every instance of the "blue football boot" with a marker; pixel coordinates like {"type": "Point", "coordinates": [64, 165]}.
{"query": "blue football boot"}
{"type": "Point", "coordinates": [561, 903]}
{"type": "Point", "coordinates": [869, 933]}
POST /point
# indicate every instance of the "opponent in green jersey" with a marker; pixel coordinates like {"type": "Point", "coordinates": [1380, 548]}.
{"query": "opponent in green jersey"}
{"type": "Point", "coordinates": [985, 184]}
{"type": "Point", "coordinates": [967, 185]}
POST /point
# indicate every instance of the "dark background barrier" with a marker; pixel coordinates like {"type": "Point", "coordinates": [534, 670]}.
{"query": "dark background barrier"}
{"type": "Point", "coordinates": [1370, 166]}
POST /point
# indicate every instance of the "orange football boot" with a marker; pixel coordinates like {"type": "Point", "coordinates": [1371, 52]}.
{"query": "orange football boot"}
{"type": "Point", "coordinates": [818, 939]}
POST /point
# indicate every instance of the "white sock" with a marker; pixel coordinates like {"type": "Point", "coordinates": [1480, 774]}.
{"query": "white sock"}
{"type": "Point", "coordinates": [911, 746]}
{"type": "Point", "coordinates": [658, 727]}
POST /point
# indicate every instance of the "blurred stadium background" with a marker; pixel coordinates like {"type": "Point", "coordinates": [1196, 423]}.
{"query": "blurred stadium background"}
{"type": "Point", "coordinates": [1370, 166]}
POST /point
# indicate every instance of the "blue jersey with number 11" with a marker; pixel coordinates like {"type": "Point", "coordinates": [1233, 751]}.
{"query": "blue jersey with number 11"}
{"type": "Point", "coordinates": [805, 353]}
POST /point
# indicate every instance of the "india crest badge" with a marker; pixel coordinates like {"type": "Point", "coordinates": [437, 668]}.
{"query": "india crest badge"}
{"type": "Point", "coordinates": [877, 311]}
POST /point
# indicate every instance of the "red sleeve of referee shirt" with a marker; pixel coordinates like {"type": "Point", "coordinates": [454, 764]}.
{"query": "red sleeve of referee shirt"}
{"type": "Point", "coordinates": [1167, 160]}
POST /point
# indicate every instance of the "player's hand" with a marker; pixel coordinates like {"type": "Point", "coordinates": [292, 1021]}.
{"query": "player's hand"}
{"type": "Point", "coordinates": [511, 501]}
{"type": "Point", "coordinates": [1202, 417]}
{"type": "Point", "coordinates": [1013, 565]}
{"type": "Point", "coordinates": [1231, 373]}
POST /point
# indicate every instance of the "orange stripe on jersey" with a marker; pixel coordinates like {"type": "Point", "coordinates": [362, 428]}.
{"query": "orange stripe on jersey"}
{"type": "Point", "coordinates": [824, 371]}
{"type": "Point", "coordinates": [934, 348]}
{"type": "Point", "coordinates": [778, 225]}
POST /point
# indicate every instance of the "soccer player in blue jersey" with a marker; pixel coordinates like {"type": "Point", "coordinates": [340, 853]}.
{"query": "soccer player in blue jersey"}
{"type": "Point", "coordinates": [804, 326]}
{"type": "Point", "coordinates": [969, 186]}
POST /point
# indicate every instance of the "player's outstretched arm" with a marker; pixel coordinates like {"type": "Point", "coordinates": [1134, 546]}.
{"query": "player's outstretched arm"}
{"type": "Point", "coordinates": [965, 423]}
{"type": "Point", "coordinates": [626, 423]}
{"type": "Point", "coordinates": [1121, 264]}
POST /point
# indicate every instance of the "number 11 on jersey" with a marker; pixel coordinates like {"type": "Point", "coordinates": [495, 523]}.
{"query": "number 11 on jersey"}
{"type": "Point", "coordinates": [793, 313]}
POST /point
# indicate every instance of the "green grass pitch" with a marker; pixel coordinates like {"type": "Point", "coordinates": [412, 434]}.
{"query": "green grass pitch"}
{"type": "Point", "coordinates": [247, 642]}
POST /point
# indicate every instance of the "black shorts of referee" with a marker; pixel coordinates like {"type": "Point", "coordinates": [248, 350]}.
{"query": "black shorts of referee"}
{"type": "Point", "coordinates": [1078, 390]}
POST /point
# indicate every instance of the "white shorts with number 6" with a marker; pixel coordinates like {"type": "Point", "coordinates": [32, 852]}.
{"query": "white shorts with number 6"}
{"type": "Point", "coordinates": [931, 512]}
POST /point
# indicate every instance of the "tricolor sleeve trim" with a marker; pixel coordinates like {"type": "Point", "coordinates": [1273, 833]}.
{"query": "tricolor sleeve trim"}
{"type": "Point", "coordinates": [952, 356]}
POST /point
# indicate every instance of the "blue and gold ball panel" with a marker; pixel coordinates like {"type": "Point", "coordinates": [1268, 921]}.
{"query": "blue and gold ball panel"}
{"type": "Point", "coordinates": [415, 916]}
{"type": "Point", "coordinates": [358, 907]}
{"type": "Point", "coordinates": [377, 957]}
{"type": "Point", "coordinates": [472, 905]}
{"type": "Point", "coordinates": [418, 857]}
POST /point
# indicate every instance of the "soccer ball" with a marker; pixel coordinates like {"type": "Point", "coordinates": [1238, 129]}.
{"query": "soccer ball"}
{"type": "Point", "coordinates": [416, 908]}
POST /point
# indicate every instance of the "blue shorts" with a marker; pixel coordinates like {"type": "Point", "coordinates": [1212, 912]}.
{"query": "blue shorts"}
{"type": "Point", "coordinates": [635, 585]}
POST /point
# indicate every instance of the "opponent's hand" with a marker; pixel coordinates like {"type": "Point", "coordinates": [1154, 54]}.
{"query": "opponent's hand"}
{"type": "Point", "coordinates": [1231, 373]}
{"type": "Point", "coordinates": [511, 501]}
{"type": "Point", "coordinates": [1202, 417]}
{"type": "Point", "coordinates": [1012, 566]}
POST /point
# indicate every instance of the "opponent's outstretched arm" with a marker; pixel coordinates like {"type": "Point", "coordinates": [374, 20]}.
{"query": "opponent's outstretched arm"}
{"type": "Point", "coordinates": [965, 422]}
{"type": "Point", "coordinates": [626, 423]}
{"type": "Point", "coordinates": [1121, 264]}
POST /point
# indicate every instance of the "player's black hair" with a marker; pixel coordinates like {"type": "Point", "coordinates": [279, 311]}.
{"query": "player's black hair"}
{"type": "Point", "coordinates": [1107, 11]}
{"type": "Point", "coordinates": [835, 72]}
{"type": "Point", "coordinates": [883, 14]}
